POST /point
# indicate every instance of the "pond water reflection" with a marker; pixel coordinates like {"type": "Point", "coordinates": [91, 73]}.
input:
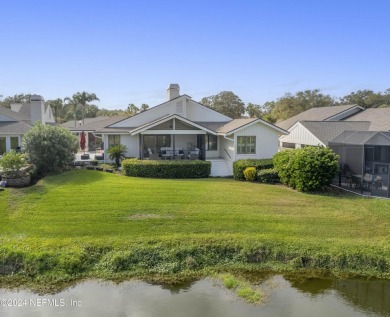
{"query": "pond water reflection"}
{"type": "Point", "coordinates": [314, 297]}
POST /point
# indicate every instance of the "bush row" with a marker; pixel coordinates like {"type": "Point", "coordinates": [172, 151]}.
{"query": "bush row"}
{"type": "Point", "coordinates": [166, 168]}
{"type": "Point", "coordinates": [240, 166]}
{"type": "Point", "coordinates": [173, 259]}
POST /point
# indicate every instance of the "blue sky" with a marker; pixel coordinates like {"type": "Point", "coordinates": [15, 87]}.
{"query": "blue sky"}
{"type": "Point", "coordinates": [129, 51]}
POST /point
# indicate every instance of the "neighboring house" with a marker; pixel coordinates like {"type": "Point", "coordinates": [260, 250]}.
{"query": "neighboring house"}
{"type": "Point", "coordinates": [93, 140]}
{"type": "Point", "coordinates": [360, 137]}
{"type": "Point", "coordinates": [300, 135]}
{"type": "Point", "coordinates": [181, 128]}
{"type": "Point", "coordinates": [304, 133]}
{"type": "Point", "coordinates": [332, 113]}
{"type": "Point", "coordinates": [18, 120]}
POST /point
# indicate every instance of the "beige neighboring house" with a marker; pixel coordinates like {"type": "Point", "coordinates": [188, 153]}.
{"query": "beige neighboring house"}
{"type": "Point", "coordinates": [181, 128]}
{"type": "Point", "coordinates": [15, 122]}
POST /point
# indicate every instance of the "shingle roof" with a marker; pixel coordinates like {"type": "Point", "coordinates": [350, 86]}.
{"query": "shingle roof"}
{"type": "Point", "coordinates": [379, 117]}
{"type": "Point", "coordinates": [13, 127]}
{"type": "Point", "coordinates": [13, 115]}
{"type": "Point", "coordinates": [326, 131]}
{"type": "Point", "coordinates": [234, 124]}
{"type": "Point", "coordinates": [94, 125]}
{"type": "Point", "coordinates": [314, 114]}
{"type": "Point", "coordinates": [70, 123]}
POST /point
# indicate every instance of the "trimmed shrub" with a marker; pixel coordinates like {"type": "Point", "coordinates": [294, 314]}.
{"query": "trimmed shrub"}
{"type": "Point", "coordinates": [269, 175]}
{"type": "Point", "coordinates": [307, 169]}
{"type": "Point", "coordinates": [240, 166]}
{"type": "Point", "coordinates": [250, 174]}
{"type": "Point", "coordinates": [166, 168]}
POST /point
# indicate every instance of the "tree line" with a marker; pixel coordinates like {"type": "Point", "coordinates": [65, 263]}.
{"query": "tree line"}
{"type": "Point", "coordinates": [78, 107]}
{"type": "Point", "coordinates": [290, 105]}
{"type": "Point", "coordinates": [81, 104]}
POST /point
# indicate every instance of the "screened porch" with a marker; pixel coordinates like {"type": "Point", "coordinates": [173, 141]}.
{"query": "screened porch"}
{"type": "Point", "coordinates": [364, 162]}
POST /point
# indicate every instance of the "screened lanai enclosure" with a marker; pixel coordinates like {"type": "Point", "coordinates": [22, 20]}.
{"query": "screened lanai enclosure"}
{"type": "Point", "coordinates": [364, 162]}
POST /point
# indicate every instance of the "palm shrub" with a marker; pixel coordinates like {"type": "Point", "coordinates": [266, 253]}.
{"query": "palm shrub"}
{"type": "Point", "coordinates": [50, 148]}
{"type": "Point", "coordinates": [307, 169]}
{"type": "Point", "coordinates": [117, 153]}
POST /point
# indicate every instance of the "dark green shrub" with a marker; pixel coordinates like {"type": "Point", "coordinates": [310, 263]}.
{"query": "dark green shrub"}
{"type": "Point", "coordinates": [50, 148]}
{"type": "Point", "coordinates": [250, 174]}
{"type": "Point", "coordinates": [269, 175]}
{"type": "Point", "coordinates": [240, 165]}
{"type": "Point", "coordinates": [307, 169]}
{"type": "Point", "coordinates": [166, 168]}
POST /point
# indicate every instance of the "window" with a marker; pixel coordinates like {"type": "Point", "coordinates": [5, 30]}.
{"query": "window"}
{"type": "Point", "coordinates": [2, 145]}
{"type": "Point", "coordinates": [114, 140]}
{"type": "Point", "coordinates": [288, 145]}
{"type": "Point", "coordinates": [14, 142]}
{"type": "Point", "coordinates": [246, 145]}
{"type": "Point", "coordinates": [211, 142]}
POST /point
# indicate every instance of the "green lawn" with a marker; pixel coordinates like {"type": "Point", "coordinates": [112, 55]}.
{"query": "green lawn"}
{"type": "Point", "coordinates": [68, 212]}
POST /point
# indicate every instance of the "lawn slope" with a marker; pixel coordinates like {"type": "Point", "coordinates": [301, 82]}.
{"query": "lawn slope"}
{"type": "Point", "coordinates": [89, 223]}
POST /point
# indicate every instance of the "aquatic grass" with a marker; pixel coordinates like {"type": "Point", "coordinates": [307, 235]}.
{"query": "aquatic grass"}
{"type": "Point", "coordinates": [242, 288]}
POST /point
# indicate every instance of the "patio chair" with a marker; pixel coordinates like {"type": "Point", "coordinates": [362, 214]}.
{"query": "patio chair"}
{"type": "Point", "coordinates": [194, 154]}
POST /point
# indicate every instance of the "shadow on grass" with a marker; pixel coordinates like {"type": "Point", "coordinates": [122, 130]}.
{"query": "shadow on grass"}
{"type": "Point", "coordinates": [75, 176]}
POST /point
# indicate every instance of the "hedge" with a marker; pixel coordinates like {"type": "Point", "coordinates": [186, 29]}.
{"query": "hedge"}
{"type": "Point", "coordinates": [240, 165]}
{"type": "Point", "coordinates": [269, 175]}
{"type": "Point", "coordinates": [166, 168]}
{"type": "Point", "coordinates": [307, 169]}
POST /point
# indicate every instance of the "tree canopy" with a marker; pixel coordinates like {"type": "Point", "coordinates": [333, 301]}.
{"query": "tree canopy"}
{"type": "Point", "coordinates": [227, 103]}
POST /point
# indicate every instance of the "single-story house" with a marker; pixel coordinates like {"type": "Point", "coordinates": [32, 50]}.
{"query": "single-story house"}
{"type": "Point", "coordinates": [360, 137]}
{"type": "Point", "coordinates": [332, 113]}
{"type": "Point", "coordinates": [18, 120]}
{"type": "Point", "coordinates": [182, 128]}
{"type": "Point", "coordinates": [93, 140]}
{"type": "Point", "coordinates": [318, 133]}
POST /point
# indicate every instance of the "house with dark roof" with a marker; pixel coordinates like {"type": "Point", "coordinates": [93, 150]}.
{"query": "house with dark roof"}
{"type": "Point", "coordinates": [182, 128]}
{"type": "Point", "coordinates": [18, 120]}
{"type": "Point", "coordinates": [332, 113]}
{"type": "Point", "coordinates": [318, 133]}
{"type": "Point", "coordinates": [301, 134]}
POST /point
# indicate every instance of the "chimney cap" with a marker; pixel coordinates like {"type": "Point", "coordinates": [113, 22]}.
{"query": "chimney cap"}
{"type": "Point", "coordinates": [174, 86]}
{"type": "Point", "coordinates": [36, 98]}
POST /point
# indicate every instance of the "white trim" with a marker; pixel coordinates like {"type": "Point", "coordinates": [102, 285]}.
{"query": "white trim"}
{"type": "Point", "coordinates": [166, 118]}
{"type": "Point", "coordinates": [298, 123]}
{"type": "Point", "coordinates": [254, 122]}
{"type": "Point", "coordinates": [173, 132]}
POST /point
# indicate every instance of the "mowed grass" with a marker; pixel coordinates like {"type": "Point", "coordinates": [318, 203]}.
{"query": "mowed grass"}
{"type": "Point", "coordinates": [80, 206]}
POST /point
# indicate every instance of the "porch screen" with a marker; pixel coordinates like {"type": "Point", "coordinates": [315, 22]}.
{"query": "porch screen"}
{"type": "Point", "coordinates": [155, 142]}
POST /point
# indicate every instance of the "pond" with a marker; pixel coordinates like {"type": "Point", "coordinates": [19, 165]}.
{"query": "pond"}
{"type": "Point", "coordinates": [206, 297]}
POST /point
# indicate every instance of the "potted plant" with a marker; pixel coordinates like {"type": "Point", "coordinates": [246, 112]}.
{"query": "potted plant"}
{"type": "Point", "coordinates": [94, 162]}
{"type": "Point", "coordinates": [12, 164]}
